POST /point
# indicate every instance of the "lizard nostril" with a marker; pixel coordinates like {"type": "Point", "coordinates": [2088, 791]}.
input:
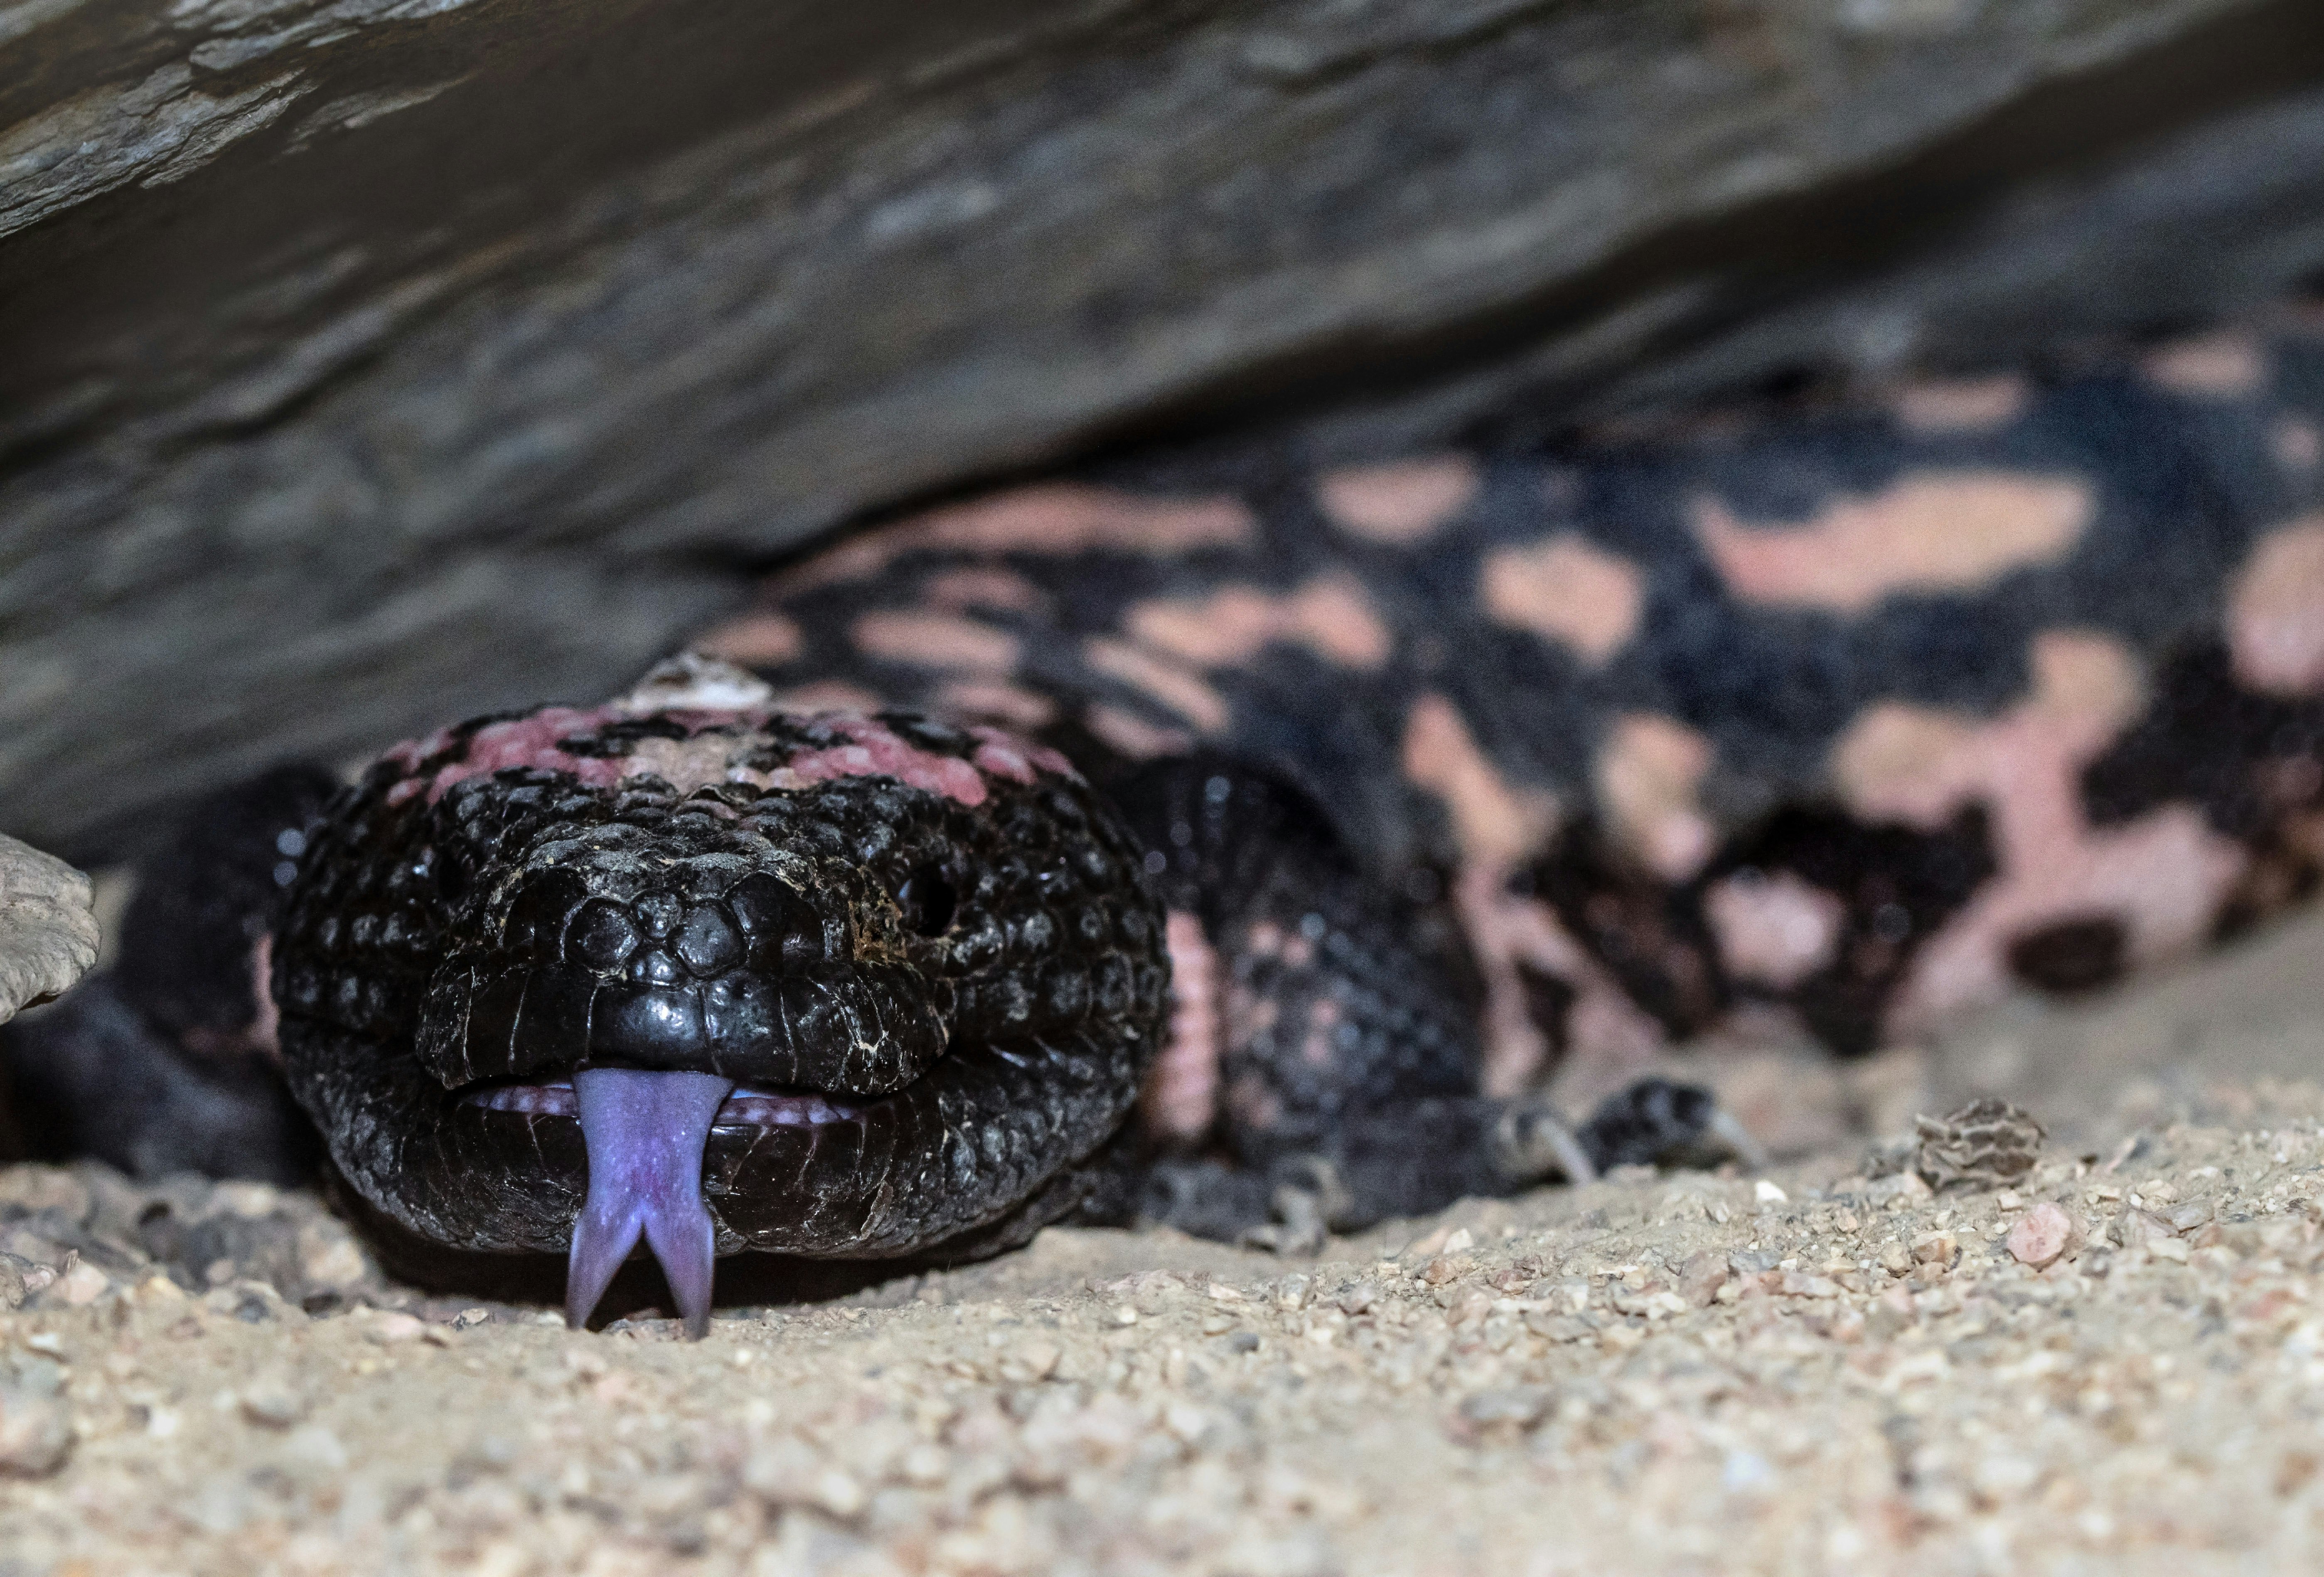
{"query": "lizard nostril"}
{"type": "Point", "coordinates": [602, 935]}
{"type": "Point", "coordinates": [707, 942]}
{"type": "Point", "coordinates": [927, 902]}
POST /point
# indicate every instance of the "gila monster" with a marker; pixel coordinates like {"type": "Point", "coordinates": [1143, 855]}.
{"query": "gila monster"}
{"type": "Point", "coordinates": [1241, 846]}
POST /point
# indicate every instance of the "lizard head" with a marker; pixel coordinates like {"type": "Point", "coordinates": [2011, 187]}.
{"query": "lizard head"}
{"type": "Point", "coordinates": [840, 986]}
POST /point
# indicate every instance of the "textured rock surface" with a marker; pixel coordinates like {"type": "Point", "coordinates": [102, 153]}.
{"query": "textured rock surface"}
{"type": "Point", "coordinates": [373, 361]}
{"type": "Point", "coordinates": [48, 930]}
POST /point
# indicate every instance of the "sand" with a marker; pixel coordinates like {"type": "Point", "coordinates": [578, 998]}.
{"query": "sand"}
{"type": "Point", "coordinates": [1812, 1369]}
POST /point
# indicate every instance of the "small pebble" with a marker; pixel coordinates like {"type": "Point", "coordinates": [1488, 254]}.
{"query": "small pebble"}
{"type": "Point", "coordinates": [836, 1491]}
{"type": "Point", "coordinates": [1466, 1305]}
{"type": "Point", "coordinates": [329, 1257]}
{"type": "Point", "coordinates": [83, 1285]}
{"type": "Point", "coordinates": [788, 1472]}
{"type": "Point", "coordinates": [2186, 1218]}
{"type": "Point", "coordinates": [1701, 1277]}
{"type": "Point", "coordinates": [271, 1401]}
{"type": "Point", "coordinates": [2040, 1235]}
{"type": "Point", "coordinates": [389, 1326]}
{"type": "Point", "coordinates": [1521, 1406]}
{"type": "Point", "coordinates": [1936, 1249]}
{"type": "Point", "coordinates": [1898, 1190]}
{"type": "Point", "coordinates": [1029, 1361]}
{"type": "Point", "coordinates": [1796, 1285]}
{"type": "Point", "coordinates": [1553, 1327]}
{"type": "Point", "coordinates": [36, 1433]}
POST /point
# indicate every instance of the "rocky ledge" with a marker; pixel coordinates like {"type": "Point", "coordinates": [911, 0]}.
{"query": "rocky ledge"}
{"type": "Point", "coordinates": [373, 361]}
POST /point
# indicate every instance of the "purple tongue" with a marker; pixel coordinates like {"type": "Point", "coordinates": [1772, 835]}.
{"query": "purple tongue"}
{"type": "Point", "coordinates": [644, 1133]}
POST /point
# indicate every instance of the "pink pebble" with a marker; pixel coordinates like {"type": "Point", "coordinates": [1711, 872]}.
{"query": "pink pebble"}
{"type": "Point", "coordinates": [2040, 1235]}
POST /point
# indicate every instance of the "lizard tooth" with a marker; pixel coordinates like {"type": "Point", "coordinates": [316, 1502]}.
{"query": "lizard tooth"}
{"type": "Point", "coordinates": [644, 1133]}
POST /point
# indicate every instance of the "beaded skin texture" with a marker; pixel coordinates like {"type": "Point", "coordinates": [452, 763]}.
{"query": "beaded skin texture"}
{"type": "Point", "coordinates": [922, 959]}
{"type": "Point", "coordinates": [1826, 719]}
{"type": "Point", "coordinates": [1244, 846]}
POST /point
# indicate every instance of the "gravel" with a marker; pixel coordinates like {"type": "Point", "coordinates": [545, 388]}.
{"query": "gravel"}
{"type": "Point", "coordinates": [2113, 1362]}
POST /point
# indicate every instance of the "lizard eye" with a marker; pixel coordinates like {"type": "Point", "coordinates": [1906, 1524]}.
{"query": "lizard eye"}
{"type": "Point", "coordinates": [927, 902]}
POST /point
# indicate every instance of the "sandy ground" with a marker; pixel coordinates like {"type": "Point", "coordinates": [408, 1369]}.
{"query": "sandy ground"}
{"type": "Point", "coordinates": [1801, 1372]}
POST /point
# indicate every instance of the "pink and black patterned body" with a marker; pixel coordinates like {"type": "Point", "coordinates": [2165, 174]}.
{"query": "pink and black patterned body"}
{"type": "Point", "coordinates": [1841, 718]}
{"type": "Point", "coordinates": [1426, 782]}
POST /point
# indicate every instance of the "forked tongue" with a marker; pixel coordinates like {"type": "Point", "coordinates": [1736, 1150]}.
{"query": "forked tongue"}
{"type": "Point", "coordinates": [644, 1132]}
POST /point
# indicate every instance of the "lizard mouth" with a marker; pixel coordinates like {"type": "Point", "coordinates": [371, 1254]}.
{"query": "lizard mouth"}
{"type": "Point", "coordinates": [747, 1106]}
{"type": "Point", "coordinates": [644, 1132]}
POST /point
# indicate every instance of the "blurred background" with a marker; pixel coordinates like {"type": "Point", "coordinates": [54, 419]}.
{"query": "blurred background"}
{"type": "Point", "coordinates": [365, 363]}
